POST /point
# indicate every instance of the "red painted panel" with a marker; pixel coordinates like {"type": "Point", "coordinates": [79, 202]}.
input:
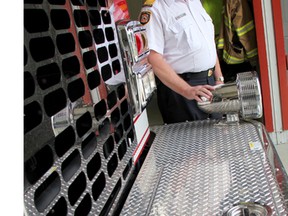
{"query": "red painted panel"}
{"type": "Point", "coordinates": [119, 9]}
{"type": "Point", "coordinates": [264, 75]}
{"type": "Point", "coordinates": [281, 61]}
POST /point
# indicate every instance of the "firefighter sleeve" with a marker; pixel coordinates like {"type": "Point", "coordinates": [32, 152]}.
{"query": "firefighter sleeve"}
{"type": "Point", "coordinates": [243, 25]}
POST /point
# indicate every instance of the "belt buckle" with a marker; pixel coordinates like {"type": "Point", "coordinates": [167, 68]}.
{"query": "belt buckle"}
{"type": "Point", "coordinates": [210, 72]}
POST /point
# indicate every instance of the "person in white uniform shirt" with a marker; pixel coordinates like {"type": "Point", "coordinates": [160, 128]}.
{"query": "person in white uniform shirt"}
{"type": "Point", "coordinates": [183, 55]}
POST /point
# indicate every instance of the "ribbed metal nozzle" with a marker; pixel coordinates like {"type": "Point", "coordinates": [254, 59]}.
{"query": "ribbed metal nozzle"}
{"type": "Point", "coordinates": [242, 96]}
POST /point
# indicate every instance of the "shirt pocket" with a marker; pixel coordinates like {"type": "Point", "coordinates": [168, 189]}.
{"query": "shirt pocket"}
{"type": "Point", "coordinates": [208, 22]}
{"type": "Point", "coordinates": [186, 34]}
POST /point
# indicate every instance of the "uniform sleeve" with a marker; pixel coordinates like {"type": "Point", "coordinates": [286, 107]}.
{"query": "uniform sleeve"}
{"type": "Point", "coordinates": [243, 23]}
{"type": "Point", "coordinates": [154, 29]}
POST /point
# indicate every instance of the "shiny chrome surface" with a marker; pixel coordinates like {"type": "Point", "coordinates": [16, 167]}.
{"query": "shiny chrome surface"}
{"type": "Point", "coordinates": [129, 30]}
{"type": "Point", "coordinates": [249, 209]}
{"type": "Point", "coordinates": [242, 97]}
{"type": "Point", "coordinates": [207, 167]}
{"type": "Point", "coordinates": [78, 123]}
{"type": "Point", "coordinates": [141, 81]}
{"type": "Point", "coordinates": [249, 95]}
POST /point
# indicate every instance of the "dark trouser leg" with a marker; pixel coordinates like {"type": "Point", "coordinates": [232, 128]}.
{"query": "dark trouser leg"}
{"type": "Point", "coordinates": [230, 71]}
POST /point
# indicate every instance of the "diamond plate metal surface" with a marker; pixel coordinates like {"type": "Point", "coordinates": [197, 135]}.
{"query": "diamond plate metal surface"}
{"type": "Point", "coordinates": [204, 168]}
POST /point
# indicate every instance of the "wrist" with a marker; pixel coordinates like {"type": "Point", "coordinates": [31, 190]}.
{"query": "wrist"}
{"type": "Point", "coordinates": [186, 91]}
{"type": "Point", "coordinates": [219, 79]}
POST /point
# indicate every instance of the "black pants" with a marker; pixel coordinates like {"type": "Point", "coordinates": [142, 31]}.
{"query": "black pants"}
{"type": "Point", "coordinates": [230, 71]}
{"type": "Point", "coordinates": [176, 108]}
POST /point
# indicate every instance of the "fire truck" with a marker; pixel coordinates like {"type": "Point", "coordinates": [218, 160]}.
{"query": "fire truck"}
{"type": "Point", "coordinates": [89, 148]}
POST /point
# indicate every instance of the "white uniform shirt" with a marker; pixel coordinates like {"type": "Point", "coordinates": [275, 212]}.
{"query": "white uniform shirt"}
{"type": "Point", "coordinates": [183, 33]}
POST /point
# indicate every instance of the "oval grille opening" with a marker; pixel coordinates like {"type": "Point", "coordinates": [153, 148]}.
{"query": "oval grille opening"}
{"type": "Point", "coordinates": [32, 116]}
{"type": "Point", "coordinates": [54, 102]}
{"type": "Point", "coordinates": [42, 48]}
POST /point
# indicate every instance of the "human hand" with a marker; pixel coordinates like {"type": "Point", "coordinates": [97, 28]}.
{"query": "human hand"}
{"type": "Point", "coordinates": [198, 92]}
{"type": "Point", "coordinates": [219, 82]}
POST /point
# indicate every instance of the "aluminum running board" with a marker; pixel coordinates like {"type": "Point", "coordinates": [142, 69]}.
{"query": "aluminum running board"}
{"type": "Point", "coordinates": [204, 168]}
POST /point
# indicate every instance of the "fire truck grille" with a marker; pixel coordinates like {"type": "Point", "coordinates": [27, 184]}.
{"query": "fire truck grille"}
{"type": "Point", "coordinates": [79, 136]}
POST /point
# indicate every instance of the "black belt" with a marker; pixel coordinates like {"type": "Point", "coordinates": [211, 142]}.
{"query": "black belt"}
{"type": "Point", "coordinates": [198, 75]}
